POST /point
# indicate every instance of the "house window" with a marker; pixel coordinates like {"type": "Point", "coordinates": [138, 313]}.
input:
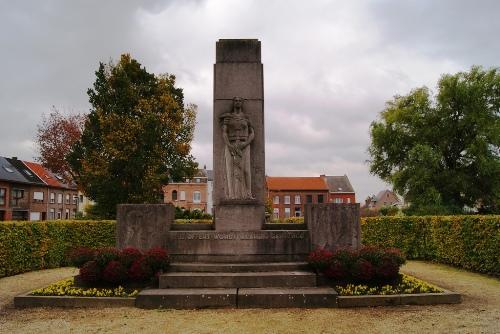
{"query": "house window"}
{"type": "Point", "coordinates": [81, 198]}
{"type": "Point", "coordinates": [287, 199]}
{"type": "Point", "coordinates": [196, 197]}
{"type": "Point", "coordinates": [17, 194]}
{"type": "Point", "coordinates": [73, 213]}
{"type": "Point", "coordinates": [2, 195]}
{"type": "Point", "coordinates": [52, 214]}
{"type": "Point", "coordinates": [276, 213]}
{"type": "Point", "coordinates": [183, 195]}
{"type": "Point", "coordinates": [320, 198]}
{"type": "Point", "coordinates": [66, 216]}
{"type": "Point", "coordinates": [52, 198]}
{"type": "Point", "coordinates": [297, 199]}
{"type": "Point", "coordinates": [67, 198]}
{"type": "Point", "coordinates": [338, 200]}
{"type": "Point", "coordinates": [174, 195]}
{"type": "Point", "coordinates": [35, 215]}
{"type": "Point", "coordinates": [59, 214]}
{"type": "Point", "coordinates": [197, 180]}
{"type": "Point", "coordinates": [309, 198]}
{"type": "Point", "coordinates": [276, 199]}
{"type": "Point", "coordinates": [298, 212]}
{"type": "Point", "coordinates": [349, 200]}
{"type": "Point", "coordinates": [37, 196]}
{"type": "Point", "coordinates": [75, 199]}
{"type": "Point", "coordinates": [59, 198]}
{"type": "Point", "coordinates": [287, 212]}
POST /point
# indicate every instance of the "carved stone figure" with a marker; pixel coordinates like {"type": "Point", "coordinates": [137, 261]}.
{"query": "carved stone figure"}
{"type": "Point", "coordinates": [238, 133]}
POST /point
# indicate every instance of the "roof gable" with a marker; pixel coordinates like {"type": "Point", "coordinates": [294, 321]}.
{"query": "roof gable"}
{"type": "Point", "coordinates": [339, 184]}
{"type": "Point", "coordinates": [8, 172]}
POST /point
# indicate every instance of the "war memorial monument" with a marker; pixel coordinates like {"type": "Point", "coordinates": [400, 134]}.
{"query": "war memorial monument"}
{"type": "Point", "coordinates": [240, 260]}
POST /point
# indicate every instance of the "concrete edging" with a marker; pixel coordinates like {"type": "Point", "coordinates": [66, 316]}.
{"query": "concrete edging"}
{"type": "Point", "coordinates": [27, 300]}
{"type": "Point", "coordinates": [446, 297]}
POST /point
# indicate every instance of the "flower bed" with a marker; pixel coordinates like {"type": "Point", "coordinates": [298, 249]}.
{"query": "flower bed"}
{"type": "Point", "coordinates": [406, 285]}
{"type": "Point", "coordinates": [67, 288]}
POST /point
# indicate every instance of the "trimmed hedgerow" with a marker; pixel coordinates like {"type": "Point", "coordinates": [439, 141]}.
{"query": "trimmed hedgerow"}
{"type": "Point", "coordinates": [26, 246]}
{"type": "Point", "coordinates": [471, 242]}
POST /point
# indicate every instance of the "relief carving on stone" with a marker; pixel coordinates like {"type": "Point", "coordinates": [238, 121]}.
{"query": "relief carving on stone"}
{"type": "Point", "coordinates": [237, 133]}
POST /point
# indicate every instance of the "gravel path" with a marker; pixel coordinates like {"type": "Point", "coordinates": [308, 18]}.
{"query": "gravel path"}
{"type": "Point", "coordinates": [479, 312]}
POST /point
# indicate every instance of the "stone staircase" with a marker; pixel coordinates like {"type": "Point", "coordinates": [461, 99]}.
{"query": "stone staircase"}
{"type": "Point", "coordinates": [237, 285]}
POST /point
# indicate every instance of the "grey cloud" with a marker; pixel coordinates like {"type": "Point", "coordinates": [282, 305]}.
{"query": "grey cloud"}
{"type": "Point", "coordinates": [329, 67]}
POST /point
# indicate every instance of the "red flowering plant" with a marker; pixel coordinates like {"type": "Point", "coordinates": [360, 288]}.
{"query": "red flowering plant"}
{"type": "Point", "coordinates": [362, 270]}
{"type": "Point", "coordinates": [78, 256]}
{"type": "Point", "coordinates": [319, 259]}
{"type": "Point", "coordinates": [114, 273]}
{"type": "Point", "coordinates": [140, 270]}
{"type": "Point", "coordinates": [106, 254]}
{"type": "Point", "coordinates": [157, 259]}
{"type": "Point", "coordinates": [369, 264]}
{"type": "Point", "coordinates": [90, 272]}
{"type": "Point", "coordinates": [129, 255]}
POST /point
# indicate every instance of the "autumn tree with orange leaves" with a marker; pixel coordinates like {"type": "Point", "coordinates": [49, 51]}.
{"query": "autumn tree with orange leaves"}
{"type": "Point", "coordinates": [137, 137]}
{"type": "Point", "coordinates": [55, 136]}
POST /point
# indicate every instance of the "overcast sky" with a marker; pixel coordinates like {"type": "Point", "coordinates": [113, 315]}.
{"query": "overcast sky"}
{"type": "Point", "coordinates": [329, 66]}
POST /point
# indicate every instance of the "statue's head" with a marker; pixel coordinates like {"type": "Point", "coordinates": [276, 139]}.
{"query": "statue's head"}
{"type": "Point", "coordinates": [238, 102]}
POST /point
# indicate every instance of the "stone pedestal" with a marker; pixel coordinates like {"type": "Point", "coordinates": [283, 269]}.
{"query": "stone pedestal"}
{"type": "Point", "coordinates": [333, 226]}
{"type": "Point", "coordinates": [143, 226]}
{"type": "Point", "coordinates": [238, 72]}
{"type": "Point", "coordinates": [239, 215]}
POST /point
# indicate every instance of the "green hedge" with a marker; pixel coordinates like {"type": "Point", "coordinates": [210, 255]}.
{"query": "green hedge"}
{"type": "Point", "coordinates": [471, 242]}
{"type": "Point", "coordinates": [26, 246]}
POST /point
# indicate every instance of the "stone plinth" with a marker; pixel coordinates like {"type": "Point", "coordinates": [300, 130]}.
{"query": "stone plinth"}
{"type": "Point", "coordinates": [246, 213]}
{"type": "Point", "coordinates": [238, 246]}
{"type": "Point", "coordinates": [143, 226]}
{"type": "Point", "coordinates": [238, 72]}
{"type": "Point", "coordinates": [333, 225]}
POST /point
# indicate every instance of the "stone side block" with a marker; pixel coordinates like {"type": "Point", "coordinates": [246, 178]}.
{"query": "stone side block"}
{"type": "Point", "coordinates": [333, 225]}
{"type": "Point", "coordinates": [27, 300]}
{"type": "Point", "coordinates": [237, 50]}
{"type": "Point", "coordinates": [143, 225]}
{"type": "Point", "coordinates": [239, 216]}
{"type": "Point", "coordinates": [238, 79]}
{"type": "Point", "coordinates": [186, 298]}
{"type": "Point", "coordinates": [286, 297]}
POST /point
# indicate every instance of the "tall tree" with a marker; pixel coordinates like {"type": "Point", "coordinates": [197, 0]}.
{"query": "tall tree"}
{"type": "Point", "coordinates": [138, 136]}
{"type": "Point", "coordinates": [443, 150]}
{"type": "Point", "coordinates": [56, 134]}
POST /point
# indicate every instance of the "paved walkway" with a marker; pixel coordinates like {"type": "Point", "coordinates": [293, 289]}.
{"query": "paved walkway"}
{"type": "Point", "coordinates": [479, 312]}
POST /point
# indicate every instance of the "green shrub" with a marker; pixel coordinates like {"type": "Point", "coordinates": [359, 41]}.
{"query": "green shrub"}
{"type": "Point", "coordinates": [471, 242]}
{"type": "Point", "coordinates": [26, 246]}
{"type": "Point", "coordinates": [289, 220]}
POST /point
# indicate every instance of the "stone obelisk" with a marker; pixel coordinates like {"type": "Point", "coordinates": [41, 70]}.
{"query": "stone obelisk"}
{"type": "Point", "coordinates": [239, 161]}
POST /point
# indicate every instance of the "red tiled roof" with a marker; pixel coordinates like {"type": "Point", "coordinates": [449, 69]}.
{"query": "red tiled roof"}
{"type": "Point", "coordinates": [44, 174]}
{"type": "Point", "coordinates": [295, 183]}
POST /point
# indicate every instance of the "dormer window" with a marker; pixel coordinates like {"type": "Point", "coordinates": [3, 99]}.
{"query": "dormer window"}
{"type": "Point", "coordinates": [8, 169]}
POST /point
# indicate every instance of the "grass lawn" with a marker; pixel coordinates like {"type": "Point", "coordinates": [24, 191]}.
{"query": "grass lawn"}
{"type": "Point", "coordinates": [478, 313]}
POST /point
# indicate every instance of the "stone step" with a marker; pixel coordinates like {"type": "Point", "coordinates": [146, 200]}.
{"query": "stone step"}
{"type": "Point", "coordinates": [237, 280]}
{"type": "Point", "coordinates": [237, 267]}
{"type": "Point", "coordinates": [287, 297]}
{"type": "Point", "coordinates": [237, 298]}
{"type": "Point", "coordinates": [186, 298]}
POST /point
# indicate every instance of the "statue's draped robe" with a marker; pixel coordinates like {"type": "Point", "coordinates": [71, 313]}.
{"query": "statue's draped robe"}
{"type": "Point", "coordinates": [237, 177]}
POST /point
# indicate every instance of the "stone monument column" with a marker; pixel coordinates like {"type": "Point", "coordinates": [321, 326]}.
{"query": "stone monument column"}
{"type": "Point", "coordinates": [239, 166]}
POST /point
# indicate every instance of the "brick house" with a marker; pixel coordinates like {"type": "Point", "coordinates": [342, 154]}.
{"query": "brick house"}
{"type": "Point", "coordinates": [62, 198]}
{"type": "Point", "coordinates": [339, 189]}
{"type": "Point", "coordinates": [192, 194]}
{"type": "Point", "coordinates": [383, 198]}
{"type": "Point", "coordinates": [289, 194]}
{"type": "Point", "coordinates": [30, 192]}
